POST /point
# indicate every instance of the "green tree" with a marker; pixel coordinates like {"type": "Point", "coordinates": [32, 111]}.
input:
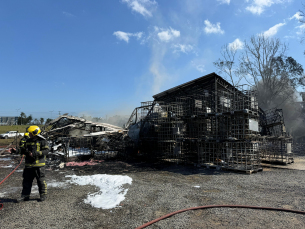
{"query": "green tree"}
{"type": "Point", "coordinates": [227, 63]}
{"type": "Point", "coordinates": [22, 119]}
{"type": "Point", "coordinates": [264, 65]}
{"type": "Point", "coordinates": [48, 120]}
{"type": "Point", "coordinates": [41, 121]}
{"type": "Point", "coordinates": [29, 120]}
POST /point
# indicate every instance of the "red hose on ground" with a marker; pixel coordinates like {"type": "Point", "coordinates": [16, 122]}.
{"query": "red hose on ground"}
{"type": "Point", "coordinates": [219, 206]}
{"type": "Point", "coordinates": [1, 205]}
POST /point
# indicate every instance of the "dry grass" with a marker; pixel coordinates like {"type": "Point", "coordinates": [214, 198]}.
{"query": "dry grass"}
{"type": "Point", "coordinates": [4, 129]}
{"type": "Point", "coordinates": [19, 128]}
{"type": "Point", "coordinates": [6, 142]}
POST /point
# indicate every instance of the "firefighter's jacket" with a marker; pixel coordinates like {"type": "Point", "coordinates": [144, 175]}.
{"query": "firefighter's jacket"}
{"type": "Point", "coordinates": [41, 147]}
{"type": "Point", "coordinates": [22, 144]}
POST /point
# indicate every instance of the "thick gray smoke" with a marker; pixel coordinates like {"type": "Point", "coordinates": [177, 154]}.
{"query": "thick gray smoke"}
{"type": "Point", "coordinates": [288, 100]}
{"type": "Point", "coordinates": [118, 120]}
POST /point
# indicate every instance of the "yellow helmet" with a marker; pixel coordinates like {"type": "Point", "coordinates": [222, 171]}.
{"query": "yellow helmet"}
{"type": "Point", "coordinates": [26, 134]}
{"type": "Point", "coordinates": [35, 130]}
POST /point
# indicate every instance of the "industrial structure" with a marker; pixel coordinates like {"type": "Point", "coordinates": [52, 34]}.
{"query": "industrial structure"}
{"type": "Point", "coordinates": [8, 120]}
{"type": "Point", "coordinates": [207, 122]}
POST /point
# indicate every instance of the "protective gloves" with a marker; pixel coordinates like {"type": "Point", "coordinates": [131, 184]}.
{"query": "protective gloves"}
{"type": "Point", "coordinates": [35, 154]}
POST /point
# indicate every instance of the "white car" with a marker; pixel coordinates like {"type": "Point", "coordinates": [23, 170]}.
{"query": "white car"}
{"type": "Point", "coordinates": [11, 134]}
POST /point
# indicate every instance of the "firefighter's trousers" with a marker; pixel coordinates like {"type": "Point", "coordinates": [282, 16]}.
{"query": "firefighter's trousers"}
{"type": "Point", "coordinates": [28, 176]}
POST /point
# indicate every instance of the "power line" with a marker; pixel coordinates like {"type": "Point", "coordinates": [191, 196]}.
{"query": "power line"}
{"type": "Point", "coordinates": [51, 114]}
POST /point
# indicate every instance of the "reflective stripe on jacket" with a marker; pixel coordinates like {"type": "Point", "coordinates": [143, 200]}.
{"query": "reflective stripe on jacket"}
{"type": "Point", "coordinates": [41, 147]}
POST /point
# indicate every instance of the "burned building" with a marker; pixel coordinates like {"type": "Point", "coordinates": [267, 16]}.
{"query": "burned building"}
{"type": "Point", "coordinates": [209, 122]}
{"type": "Point", "coordinates": [70, 136]}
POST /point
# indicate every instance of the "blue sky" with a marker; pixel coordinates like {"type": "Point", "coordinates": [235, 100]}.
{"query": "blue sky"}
{"type": "Point", "coordinates": [105, 57]}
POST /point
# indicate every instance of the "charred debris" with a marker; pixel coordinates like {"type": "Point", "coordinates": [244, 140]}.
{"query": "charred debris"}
{"type": "Point", "coordinates": [206, 122]}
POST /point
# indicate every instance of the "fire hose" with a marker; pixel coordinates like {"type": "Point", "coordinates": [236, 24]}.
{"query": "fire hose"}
{"type": "Point", "coordinates": [1, 205]}
{"type": "Point", "coordinates": [219, 206]}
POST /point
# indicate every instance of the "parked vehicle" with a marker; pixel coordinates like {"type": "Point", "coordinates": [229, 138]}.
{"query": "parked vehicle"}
{"type": "Point", "coordinates": [11, 134]}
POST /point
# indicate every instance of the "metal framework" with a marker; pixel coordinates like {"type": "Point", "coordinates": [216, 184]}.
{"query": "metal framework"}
{"type": "Point", "coordinates": [277, 150]}
{"type": "Point", "coordinates": [209, 122]}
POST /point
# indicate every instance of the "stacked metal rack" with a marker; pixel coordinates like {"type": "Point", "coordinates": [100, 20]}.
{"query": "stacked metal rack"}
{"type": "Point", "coordinates": [206, 122]}
{"type": "Point", "coordinates": [276, 147]}
{"type": "Point", "coordinates": [276, 150]}
{"type": "Point", "coordinates": [232, 132]}
{"type": "Point", "coordinates": [161, 130]}
{"type": "Point", "coordinates": [235, 155]}
{"type": "Point", "coordinates": [275, 125]}
{"type": "Point", "coordinates": [209, 122]}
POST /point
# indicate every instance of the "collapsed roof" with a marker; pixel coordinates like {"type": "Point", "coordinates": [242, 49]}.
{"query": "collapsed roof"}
{"type": "Point", "coordinates": [65, 123]}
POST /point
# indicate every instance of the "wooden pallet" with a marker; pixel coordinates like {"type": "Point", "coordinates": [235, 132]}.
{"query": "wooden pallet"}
{"type": "Point", "coordinates": [219, 167]}
{"type": "Point", "coordinates": [244, 171]}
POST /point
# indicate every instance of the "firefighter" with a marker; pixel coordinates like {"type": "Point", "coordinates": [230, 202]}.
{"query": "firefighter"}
{"type": "Point", "coordinates": [22, 143]}
{"type": "Point", "coordinates": [35, 149]}
{"type": "Point", "coordinates": [21, 149]}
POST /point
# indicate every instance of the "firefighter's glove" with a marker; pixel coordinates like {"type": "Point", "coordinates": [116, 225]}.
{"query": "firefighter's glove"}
{"type": "Point", "coordinates": [34, 154]}
{"type": "Point", "coordinates": [27, 153]}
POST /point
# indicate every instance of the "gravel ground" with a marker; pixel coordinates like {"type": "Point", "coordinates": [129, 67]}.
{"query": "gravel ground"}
{"type": "Point", "coordinates": [156, 190]}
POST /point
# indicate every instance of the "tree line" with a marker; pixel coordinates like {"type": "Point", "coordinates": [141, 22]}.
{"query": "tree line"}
{"type": "Point", "coordinates": [23, 119]}
{"type": "Point", "coordinates": [262, 63]}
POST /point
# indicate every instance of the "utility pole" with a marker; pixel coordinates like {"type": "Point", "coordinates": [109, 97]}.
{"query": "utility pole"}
{"type": "Point", "coordinates": [59, 113]}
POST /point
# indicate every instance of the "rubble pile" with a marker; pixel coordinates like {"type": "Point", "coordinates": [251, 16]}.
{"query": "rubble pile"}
{"type": "Point", "coordinates": [71, 136]}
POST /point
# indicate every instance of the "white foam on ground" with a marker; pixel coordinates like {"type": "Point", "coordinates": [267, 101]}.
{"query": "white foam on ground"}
{"type": "Point", "coordinates": [34, 189]}
{"type": "Point", "coordinates": [111, 192]}
{"type": "Point", "coordinates": [196, 186]}
{"type": "Point", "coordinates": [7, 166]}
{"type": "Point", "coordinates": [57, 184]}
{"type": "Point", "coordinates": [2, 194]}
{"type": "Point", "coordinates": [19, 171]}
{"type": "Point", "coordinates": [5, 159]}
